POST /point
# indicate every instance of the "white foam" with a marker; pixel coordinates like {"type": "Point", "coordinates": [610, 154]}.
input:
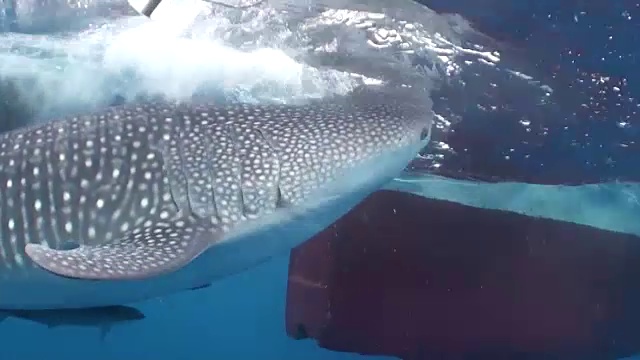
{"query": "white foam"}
{"type": "Point", "coordinates": [134, 56]}
{"type": "Point", "coordinates": [266, 54]}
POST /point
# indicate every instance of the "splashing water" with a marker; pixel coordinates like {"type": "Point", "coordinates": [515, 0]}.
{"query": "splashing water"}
{"type": "Point", "coordinates": [276, 51]}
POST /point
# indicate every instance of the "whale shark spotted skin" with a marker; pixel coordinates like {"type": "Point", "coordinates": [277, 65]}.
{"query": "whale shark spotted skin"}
{"type": "Point", "coordinates": [141, 200]}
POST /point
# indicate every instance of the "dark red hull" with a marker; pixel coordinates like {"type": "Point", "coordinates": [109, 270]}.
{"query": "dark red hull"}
{"type": "Point", "coordinates": [417, 278]}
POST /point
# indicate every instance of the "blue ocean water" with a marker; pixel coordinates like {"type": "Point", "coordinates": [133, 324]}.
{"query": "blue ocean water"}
{"type": "Point", "coordinates": [241, 317]}
{"type": "Point", "coordinates": [569, 47]}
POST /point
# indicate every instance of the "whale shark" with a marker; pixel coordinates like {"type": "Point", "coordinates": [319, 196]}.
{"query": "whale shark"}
{"type": "Point", "coordinates": [141, 200]}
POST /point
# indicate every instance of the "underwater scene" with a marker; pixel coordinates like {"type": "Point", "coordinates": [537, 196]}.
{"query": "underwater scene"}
{"type": "Point", "coordinates": [319, 179]}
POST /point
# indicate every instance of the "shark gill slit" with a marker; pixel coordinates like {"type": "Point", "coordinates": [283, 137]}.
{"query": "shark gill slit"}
{"type": "Point", "coordinates": [208, 131]}
{"type": "Point", "coordinates": [279, 201]}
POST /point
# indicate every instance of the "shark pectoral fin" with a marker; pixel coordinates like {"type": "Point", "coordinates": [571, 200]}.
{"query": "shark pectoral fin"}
{"type": "Point", "coordinates": [140, 254]}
